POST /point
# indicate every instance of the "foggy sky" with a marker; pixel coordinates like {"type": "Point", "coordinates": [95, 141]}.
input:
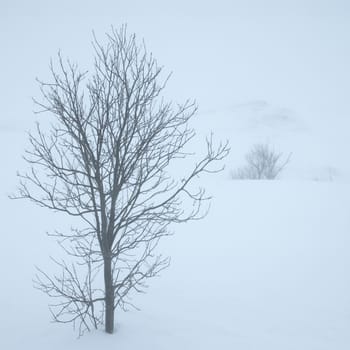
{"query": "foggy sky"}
{"type": "Point", "coordinates": [293, 54]}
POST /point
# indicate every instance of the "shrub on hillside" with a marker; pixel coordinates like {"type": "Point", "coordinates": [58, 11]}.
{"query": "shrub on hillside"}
{"type": "Point", "coordinates": [262, 163]}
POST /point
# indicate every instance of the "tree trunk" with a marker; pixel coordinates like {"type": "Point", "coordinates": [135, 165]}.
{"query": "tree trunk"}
{"type": "Point", "coordinates": [109, 295]}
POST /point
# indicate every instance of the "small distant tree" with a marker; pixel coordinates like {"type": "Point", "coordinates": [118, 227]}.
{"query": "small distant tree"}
{"type": "Point", "coordinates": [262, 162]}
{"type": "Point", "coordinates": [105, 161]}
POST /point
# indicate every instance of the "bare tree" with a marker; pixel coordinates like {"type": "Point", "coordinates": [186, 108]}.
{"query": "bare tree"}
{"type": "Point", "coordinates": [262, 162]}
{"type": "Point", "coordinates": [105, 161]}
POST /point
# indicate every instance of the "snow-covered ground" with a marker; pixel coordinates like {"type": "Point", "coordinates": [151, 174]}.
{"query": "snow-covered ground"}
{"type": "Point", "coordinates": [269, 267]}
